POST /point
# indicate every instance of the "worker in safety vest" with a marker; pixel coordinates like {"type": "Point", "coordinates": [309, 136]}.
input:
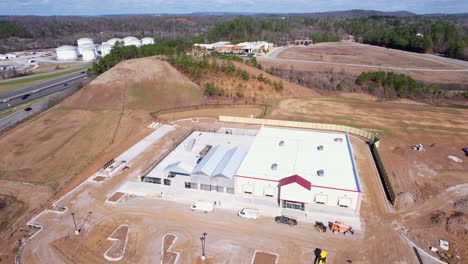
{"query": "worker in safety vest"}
{"type": "Point", "coordinates": [323, 257]}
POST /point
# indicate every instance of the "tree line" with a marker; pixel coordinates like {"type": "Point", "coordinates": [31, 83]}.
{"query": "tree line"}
{"type": "Point", "coordinates": [417, 34]}
{"type": "Point", "coordinates": [394, 84]}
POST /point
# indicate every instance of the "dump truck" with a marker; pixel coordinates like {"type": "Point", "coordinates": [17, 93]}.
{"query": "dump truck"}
{"type": "Point", "coordinates": [339, 227]}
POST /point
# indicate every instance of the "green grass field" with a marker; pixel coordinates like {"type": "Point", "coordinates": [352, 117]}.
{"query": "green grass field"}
{"type": "Point", "coordinates": [12, 85]}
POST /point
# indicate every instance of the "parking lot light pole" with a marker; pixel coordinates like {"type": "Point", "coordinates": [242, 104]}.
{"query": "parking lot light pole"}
{"type": "Point", "coordinates": [203, 239]}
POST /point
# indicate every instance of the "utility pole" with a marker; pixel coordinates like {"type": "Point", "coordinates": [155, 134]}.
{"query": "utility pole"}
{"type": "Point", "coordinates": [203, 239]}
{"type": "Point", "coordinates": [77, 231]}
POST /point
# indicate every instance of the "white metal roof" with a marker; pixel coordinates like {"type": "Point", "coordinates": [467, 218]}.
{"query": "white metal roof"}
{"type": "Point", "coordinates": [82, 41]}
{"type": "Point", "coordinates": [237, 144]}
{"type": "Point", "coordinates": [299, 154]}
{"type": "Point", "coordinates": [221, 161]}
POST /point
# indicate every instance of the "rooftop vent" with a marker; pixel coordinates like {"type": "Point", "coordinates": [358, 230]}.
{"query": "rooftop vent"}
{"type": "Point", "coordinates": [281, 143]}
{"type": "Point", "coordinates": [320, 147]}
{"type": "Point", "coordinates": [338, 140]}
{"type": "Point", "coordinates": [320, 172]}
{"type": "Point", "coordinates": [274, 166]}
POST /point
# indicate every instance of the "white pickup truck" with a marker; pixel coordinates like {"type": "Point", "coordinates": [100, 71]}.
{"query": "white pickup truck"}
{"type": "Point", "coordinates": [249, 213]}
{"type": "Point", "coordinates": [203, 207]}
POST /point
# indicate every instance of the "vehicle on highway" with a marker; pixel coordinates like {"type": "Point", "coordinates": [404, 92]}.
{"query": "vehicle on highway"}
{"type": "Point", "coordinates": [249, 213]}
{"type": "Point", "coordinates": [27, 109]}
{"type": "Point", "coordinates": [35, 91]}
{"type": "Point", "coordinates": [25, 96]}
{"type": "Point", "coordinates": [5, 100]}
{"type": "Point", "coordinates": [203, 207]}
{"type": "Point", "coordinates": [65, 84]}
{"type": "Point", "coordinates": [83, 72]}
{"type": "Point", "coordinates": [285, 220]}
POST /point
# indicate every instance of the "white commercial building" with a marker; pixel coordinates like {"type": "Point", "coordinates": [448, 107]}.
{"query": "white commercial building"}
{"type": "Point", "coordinates": [301, 169]}
{"type": "Point", "coordinates": [257, 46]}
{"type": "Point", "coordinates": [206, 161]}
{"type": "Point", "coordinates": [294, 169]}
{"type": "Point", "coordinates": [67, 53]}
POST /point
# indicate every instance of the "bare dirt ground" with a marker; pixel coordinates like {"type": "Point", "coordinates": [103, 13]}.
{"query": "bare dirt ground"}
{"type": "Point", "coordinates": [264, 258]}
{"type": "Point", "coordinates": [344, 52]}
{"type": "Point", "coordinates": [57, 243]}
{"type": "Point", "coordinates": [168, 256]}
{"type": "Point", "coordinates": [56, 150]}
{"type": "Point", "coordinates": [116, 196]}
{"type": "Point", "coordinates": [341, 54]}
{"type": "Point", "coordinates": [416, 176]}
{"type": "Point", "coordinates": [61, 148]}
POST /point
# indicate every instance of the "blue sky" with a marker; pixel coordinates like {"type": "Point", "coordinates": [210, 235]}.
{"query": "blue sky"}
{"type": "Point", "coordinates": [94, 7]}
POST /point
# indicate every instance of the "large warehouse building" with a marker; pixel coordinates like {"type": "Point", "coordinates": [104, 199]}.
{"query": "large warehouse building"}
{"type": "Point", "coordinates": [294, 169]}
{"type": "Point", "coordinates": [300, 169]}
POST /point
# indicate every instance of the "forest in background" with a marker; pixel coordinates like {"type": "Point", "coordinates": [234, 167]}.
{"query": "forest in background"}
{"type": "Point", "coordinates": [444, 34]}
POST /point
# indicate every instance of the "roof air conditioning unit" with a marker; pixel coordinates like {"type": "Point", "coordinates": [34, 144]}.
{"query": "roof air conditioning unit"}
{"type": "Point", "coordinates": [320, 172]}
{"type": "Point", "coordinates": [320, 147]}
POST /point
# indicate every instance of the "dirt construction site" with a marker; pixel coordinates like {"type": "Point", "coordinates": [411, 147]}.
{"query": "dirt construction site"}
{"type": "Point", "coordinates": [49, 165]}
{"type": "Point", "coordinates": [230, 239]}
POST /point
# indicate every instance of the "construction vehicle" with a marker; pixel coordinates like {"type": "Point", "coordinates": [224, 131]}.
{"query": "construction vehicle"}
{"type": "Point", "coordinates": [466, 151]}
{"type": "Point", "coordinates": [339, 227]}
{"type": "Point", "coordinates": [322, 258]}
{"type": "Point", "coordinates": [319, 226]}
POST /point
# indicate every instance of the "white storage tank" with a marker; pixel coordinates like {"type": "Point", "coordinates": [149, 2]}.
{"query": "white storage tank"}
{"type": "Point", "coordinates": [88, 53]}
{"type": "Point", "coordinates": [128, 41]}
{"type": "Point", "coordinates": [86, 46]}
{"type": "Point", "coordinates": [67, 53]}
{"type": "Point", "coordinates": [113, 41]}
{"type": "Point", "coordinates": [146, 41]}
{"type": "Point", "coordinates": [83, 41]}
{"type": "Point", "coordinates": [105, 49]}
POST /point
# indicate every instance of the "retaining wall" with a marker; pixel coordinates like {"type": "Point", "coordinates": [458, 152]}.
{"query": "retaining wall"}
{"type": "Point", "coordinates": [298, 124]}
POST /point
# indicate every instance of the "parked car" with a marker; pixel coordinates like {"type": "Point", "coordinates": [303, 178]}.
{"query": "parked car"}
{"type": "Point", "coordinates": [203, 207]}
{"type": "Point", "coordinates": [285, 220]}
{"type": "Point", "coordinates": [249, 213]}
{"type": "Point", "coordinates": [27, 109]}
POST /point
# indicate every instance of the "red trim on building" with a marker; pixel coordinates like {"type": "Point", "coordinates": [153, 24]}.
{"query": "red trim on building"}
{"type": "Point", "coordinates": [316, 186]}
{"type": "Point", "coordinates": [247, 177]}
{"type": "Point", "coordinates": [295, 179]}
